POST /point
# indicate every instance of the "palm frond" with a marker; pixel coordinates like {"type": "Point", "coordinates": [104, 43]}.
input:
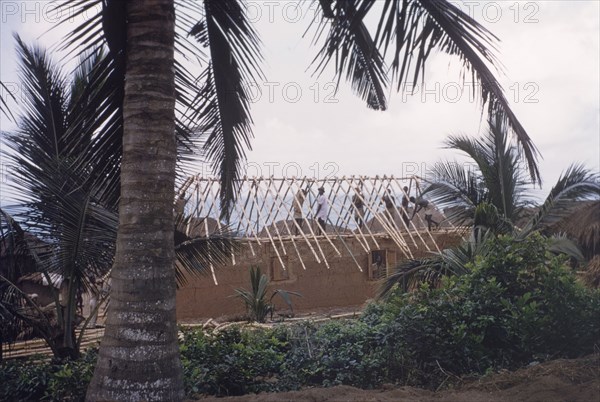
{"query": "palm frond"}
{"type": "Point", "coordinates": [222, 104]}
{"type": "Point", "coordinates": [4, 108]}
{"type": "Point", "coordinates": [488, 217]}
{"type": "Point", "coordinates": [104, 25]}
{"type": "Point", "coordinates": [498, 172]}
{"type": "Point", "coordinates": [62, 204]}
{"type": "Point", "coordinates": [286, 296]}
{"type": "Point", "coordinates": [352, 49]}
{"type": "Point", "coordinates": [255, 300]}
{"type": "Point", "coordinates": [503, 176]}
{"type": "Point", "coordinates": [196, 253]}
{"type": "Point", "coordinates": [413, 28]}
{"type": "Point", "coordinates": [458, 188]}
{"type": "Point", "coordinates": [451, 261]}
{"type": "Point", "coordinates": [15, 249]}
{"type": "Point", "coordinates": [97, 113]}
{"type": "Point", "coordinates": [409, 274]}
{"type": "Point", "coordinates": [582, 225]}
{"type": "Point", "coordinates": [561, 244]}
{"type": "Point", "coordinates": [575, 184]}
{"type": "Point", "coordinates": [45, 104]}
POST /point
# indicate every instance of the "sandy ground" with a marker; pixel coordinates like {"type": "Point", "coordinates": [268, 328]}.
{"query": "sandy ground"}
{"type": "Point", "coordinates": [557, 380]}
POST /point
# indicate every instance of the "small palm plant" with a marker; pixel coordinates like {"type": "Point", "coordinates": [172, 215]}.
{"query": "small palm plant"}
{"type": "Point", "coordinates": [255, 300]}
{"type": "Point", "coordinates": [492, 198]}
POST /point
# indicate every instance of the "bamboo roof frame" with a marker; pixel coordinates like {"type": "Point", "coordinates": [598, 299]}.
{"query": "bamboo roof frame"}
{"type": "Point", "coordinates": [272, 198]}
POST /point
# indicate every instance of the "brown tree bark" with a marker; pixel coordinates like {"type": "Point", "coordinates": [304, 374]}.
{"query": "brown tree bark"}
{"type": "Point", "coordinates": [139, 354]}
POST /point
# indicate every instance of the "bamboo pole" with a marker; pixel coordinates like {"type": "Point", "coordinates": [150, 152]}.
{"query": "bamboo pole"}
{"type": "Point", "coordinates": [315, 237]}
{"type": "Point", "coordinates": [288, 228]}
{"type": "Point", "coordinates": [199, 205]}
{"type": "Point", "coordinates": [242, 215]}
{"type": "Point", "coordinates": [374, 198]}
{"type": "Point", "coordinates": [289, 210]}
{"type": "Point", "coordinates": [414, 226]}
{"type": "Point", "coordinates": [250, 227]}
{"type": "Point", "coordinates": [212, 268]}
{"type": "Point", "coordinates": [367, 248]}
{"type": "Point", "coordinates": [243, 208]}
{"type": "Point", "coordinates": [332, 204]}
{"type": "Point", "coordinates": [254, 202]}
{"type": "Point", "coordinates": [340, 214]}
{"type": "Point", "coordinates": [274, 219]}
{"type": "Point", "coordinates": [273, 187]}
{"type": "Point", "coordinates": [266, 227]}
{"type": "Point", "coordinates": [282, 203]}
{"type": "Point", "coordinates": [407, 227]}
{"type": "Point", "coordinates": [275, 216]}
{"type": "Point", "coordinates": [219, 226]}
{"type": "Point", "coordinates": [418, 187]}
{"type": "Point", "coordinates": [329, 205]}
{"type": "Point", "coordinates": [349, 216]}
{"type": "Point", "coordinates": [343, 202]}
{"type": "Point", "coordinates": [360, 180]}
{"type": "Point", "coordinates": [394, 216]}
{"type": "Point", "coordinates": [383, 225]}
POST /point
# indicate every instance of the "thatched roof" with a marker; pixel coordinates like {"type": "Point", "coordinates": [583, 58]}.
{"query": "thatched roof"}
{"type": "Point", "coordinates": [583, 225]}
{"type": "Point", "coordinates": [19, 261]}
{"type": "Point", "coordinates": [591, 275]}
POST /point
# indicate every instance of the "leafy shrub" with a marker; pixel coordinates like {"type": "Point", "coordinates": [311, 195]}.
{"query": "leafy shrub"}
{"type": "Point", "coordinates": [31, 380]}
{"type": "Point", "coordinates": [337, 352]}
{"type": "Point", "coordinates": [70, 381]}
{"type": "Point", "coordinates": [23, 380]}
{"type": "Point", "coordinates": [520, 303]}
{"type": "Point", "coordinates": [232, 362]}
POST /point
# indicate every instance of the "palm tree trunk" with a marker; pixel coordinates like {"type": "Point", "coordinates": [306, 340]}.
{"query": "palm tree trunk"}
{"type": "Point", "coordinates": [139, 354]}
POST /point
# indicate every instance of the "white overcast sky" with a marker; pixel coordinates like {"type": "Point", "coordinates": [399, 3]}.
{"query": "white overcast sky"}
{"type": "Point", "coordinates": [549, 49]}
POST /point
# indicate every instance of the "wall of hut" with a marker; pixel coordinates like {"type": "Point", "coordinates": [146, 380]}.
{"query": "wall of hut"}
{"type": "Point", "coordinates": [341, 284]}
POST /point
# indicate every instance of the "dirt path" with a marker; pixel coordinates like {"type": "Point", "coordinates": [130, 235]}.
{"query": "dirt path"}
{"type": "Point", "coordinates": [557, 380]}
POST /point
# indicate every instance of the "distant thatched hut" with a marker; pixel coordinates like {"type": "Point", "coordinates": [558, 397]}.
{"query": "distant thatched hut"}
{"type": "Point", "coordinates": [583, 226]}
{"type": "Point", "coordinates": [591, 276]}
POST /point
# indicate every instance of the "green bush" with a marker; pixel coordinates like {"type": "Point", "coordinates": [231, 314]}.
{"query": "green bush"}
{"type": "Point", "coordinates": [519, 304]}
{"type": "Point", "coordinates": [23, 380]}
{"type": "Point", "coordinates": [31, 380]}
{"type": "Point", "coordinates": [337, 352]}
{"type": "Point", "coordinates": [70, 381]}
{"type": "Point", "coordinates": [232, 362]}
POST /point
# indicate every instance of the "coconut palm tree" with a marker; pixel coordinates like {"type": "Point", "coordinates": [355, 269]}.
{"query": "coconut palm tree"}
{"type": "Point", "coordinates": [491, 190]}
{"type": "Point", "coordinates": [64, 207]}
{"type": "Point", "coordinates": [153, 95]}
{"type": "Point", "coordinates": [491, 195]}
{"type": "Point", "coordinates": [69, 210]}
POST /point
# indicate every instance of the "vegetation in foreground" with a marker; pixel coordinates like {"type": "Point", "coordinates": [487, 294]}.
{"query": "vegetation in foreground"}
{"type": "Point", "coordinates": [519, 304]}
